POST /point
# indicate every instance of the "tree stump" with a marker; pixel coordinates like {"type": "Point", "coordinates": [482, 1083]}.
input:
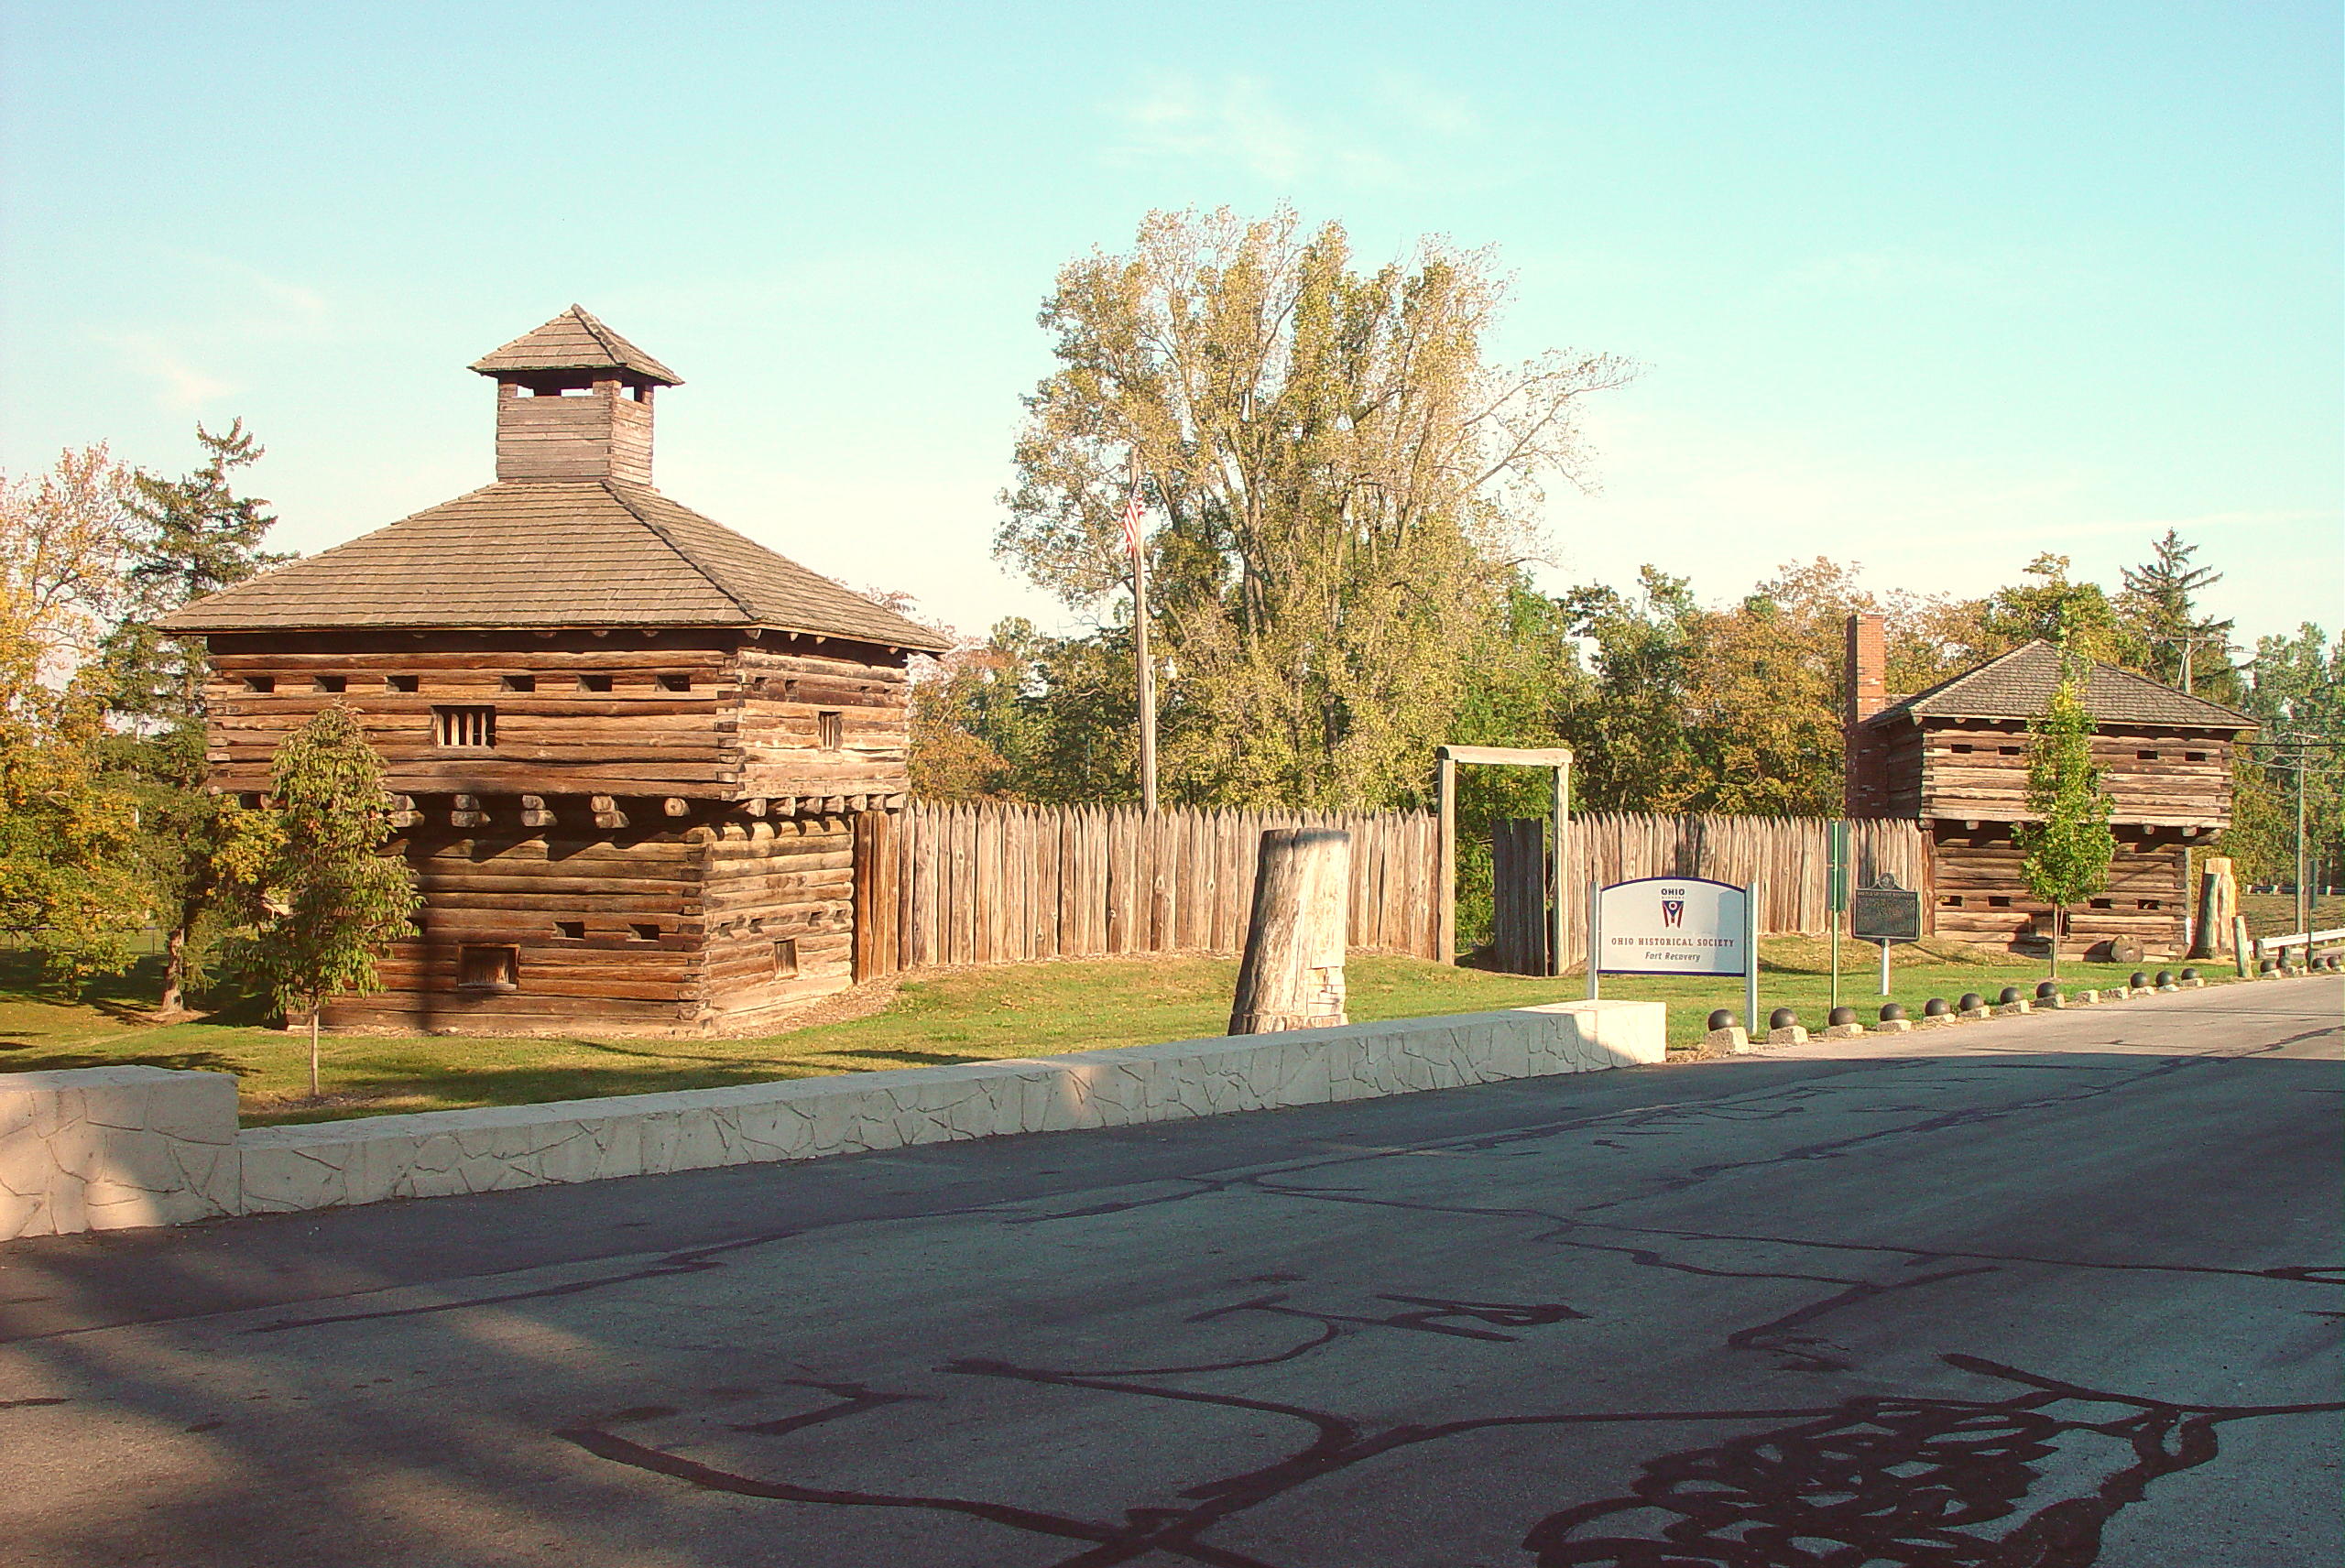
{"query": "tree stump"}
{"type": "Point", "coordinates": [2218, 902]}
{"type": "Point", "coordinates": [1292, 975]}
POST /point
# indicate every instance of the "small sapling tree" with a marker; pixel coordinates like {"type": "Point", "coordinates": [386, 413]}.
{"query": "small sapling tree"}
{"type": "Point", "coordinates": [2066, 852]}
{"type": "Point", "coordinates": [311, 875]}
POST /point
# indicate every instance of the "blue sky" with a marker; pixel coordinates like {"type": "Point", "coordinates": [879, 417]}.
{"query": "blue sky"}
{"type": "Point", "coordinates": [1928, 287]}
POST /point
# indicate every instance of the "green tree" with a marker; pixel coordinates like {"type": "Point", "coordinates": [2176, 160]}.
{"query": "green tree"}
{"type": "Point", "coordinates": [189, 537]}
{"type": "Point", "coordinates": [68, 882]}
{"type": "Point", "coordinates": [2295, 687]}
{"type": "Point", "coordinates": [2056, 609]}
{"type": "Point", "coordinates": [2159, 606]}
{"type": "Point", "coordinates": [311, 875]}
{"type": "Point", "coordinates": [1346, 485]}
{"type": "Point", "coordinates": [2066, 852]}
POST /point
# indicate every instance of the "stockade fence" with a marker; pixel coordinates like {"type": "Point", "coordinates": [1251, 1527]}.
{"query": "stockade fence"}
{"type": "Point", "coordinates": [1789, 857]}
{"type": "Point", "coordinates": [942, 884]}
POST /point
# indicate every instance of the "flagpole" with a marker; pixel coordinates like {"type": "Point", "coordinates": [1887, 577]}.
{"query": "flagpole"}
{"type": "Point", "coordinates": [1139, 651]}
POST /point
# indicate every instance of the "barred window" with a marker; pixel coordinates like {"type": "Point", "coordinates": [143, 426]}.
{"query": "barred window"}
{"type": "Point", "coordinates": [785, 957]}
{"type": "Point", "coordinates": [830, 730]}
{"type": "Point", "coordinates": [471, 728]}
{"type": "Point", "coordinates": [489, 968]}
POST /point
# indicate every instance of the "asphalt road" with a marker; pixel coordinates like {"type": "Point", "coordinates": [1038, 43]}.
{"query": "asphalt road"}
{"type": "Point", "coordinates": [2049, 1291]}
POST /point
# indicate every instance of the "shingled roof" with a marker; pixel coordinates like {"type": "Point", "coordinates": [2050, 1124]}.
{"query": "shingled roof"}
{"type": "Point", "coordinates": [2019, 685]}
{"type": "Point", "coordinates": [575, 341]}
{"type": "Point", "coordinates": [551, 553]}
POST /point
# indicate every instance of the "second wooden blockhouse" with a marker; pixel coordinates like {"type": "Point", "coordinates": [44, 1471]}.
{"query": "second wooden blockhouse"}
{"type": "Point", "coordinates": [1957, 757]}
{"type": "Point", "coordinates": [631, 746]}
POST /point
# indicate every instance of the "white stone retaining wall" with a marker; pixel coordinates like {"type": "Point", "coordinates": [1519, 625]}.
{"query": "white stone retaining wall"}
{"type": "Point", "coordinates": [140, 1162]}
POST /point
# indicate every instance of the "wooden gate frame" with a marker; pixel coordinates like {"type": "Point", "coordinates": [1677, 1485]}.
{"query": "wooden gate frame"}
{"type": "Point", "coordinates": [1447, 758]}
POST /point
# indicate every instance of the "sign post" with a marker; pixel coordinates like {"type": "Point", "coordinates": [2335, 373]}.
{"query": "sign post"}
{"type": "Point", "coordinates": [1836, 894]}
{"type": "Point", "coordinates": [1886, 913]}
{"type": "Point", "coordinates": [1750, 949]}
{"type": "Point", "coordinates": [1595, 937]}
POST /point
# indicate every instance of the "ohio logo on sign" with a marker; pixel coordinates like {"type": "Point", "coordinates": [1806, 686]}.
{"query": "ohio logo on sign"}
{"type": "Point", "coordinates": [1672, 911]}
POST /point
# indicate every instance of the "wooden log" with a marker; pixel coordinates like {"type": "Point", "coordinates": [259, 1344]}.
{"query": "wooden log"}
{"type": "Point", "coordinates": [2218, 902]}
{"type": "Point", "coordinates": [1292, 975]}
{"type": "Point", "coordinates": [676, 807]}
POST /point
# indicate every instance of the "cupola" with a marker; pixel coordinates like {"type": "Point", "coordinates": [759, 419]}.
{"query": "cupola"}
{"type": "Point", "coordinates": [573, 401]}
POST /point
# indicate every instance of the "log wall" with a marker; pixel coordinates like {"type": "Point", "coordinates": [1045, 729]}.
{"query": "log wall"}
{"type": "Point", "coordinates": [747, 724]}
{"type": "Point", "coordinates": [784, 694]}
{"type": "Point", "coordinates": [1980, 893]}
{"type": "Point", "coordinates": [511, 891]}
{"type": "Point", "coordinates": [1976, 769]}
{"type": "Point", "coordinates": [768, 883]}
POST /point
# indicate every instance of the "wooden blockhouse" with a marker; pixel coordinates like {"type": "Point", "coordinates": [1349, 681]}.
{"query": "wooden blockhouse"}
{"type": "Point", "coordinates": [1956, 756]}
{"type": "Point", "coordinates": [632, 749]}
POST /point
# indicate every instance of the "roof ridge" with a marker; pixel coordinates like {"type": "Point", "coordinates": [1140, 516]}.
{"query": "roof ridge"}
{"type": "Point", "coordinates": [618, 493]}
{"type": "Point", "coordinates": [599, 332]}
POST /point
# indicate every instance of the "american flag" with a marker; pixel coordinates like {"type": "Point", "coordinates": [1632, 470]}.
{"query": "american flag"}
{"type": "Point", "coordinates": [1135, 509]}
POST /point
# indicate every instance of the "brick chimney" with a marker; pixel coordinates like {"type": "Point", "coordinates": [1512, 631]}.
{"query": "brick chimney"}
{"type": "Point", "coordinates": [1864, 789]}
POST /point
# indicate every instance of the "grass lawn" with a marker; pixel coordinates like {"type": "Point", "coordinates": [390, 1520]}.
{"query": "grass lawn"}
{"type": "Point", "coordinates": [960, 1015]}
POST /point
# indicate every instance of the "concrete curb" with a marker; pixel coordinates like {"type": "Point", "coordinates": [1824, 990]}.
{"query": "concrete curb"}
{"type": "Point", "coordinates": [111, 1148]}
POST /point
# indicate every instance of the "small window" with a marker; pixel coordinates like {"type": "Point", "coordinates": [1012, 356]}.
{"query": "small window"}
{"type": "Point", "coordinates": [645, 930]}
{"type": "Point", "coordinates": [571, 930]}
{"type": "Point", "coordinates": [2008, 750]}
{"type": "Point", "coordinates": [260, 682]}
{"type": "Point", "coordinates": [250, 801]}
{"type": "Point", "coordinates": [402, 683]}
{"type": "Point", "coordinates": [2195, 756]}
{"type": "Point", "coordinates": [333, 682]}
{"type": "Point", "coordinates": [2145, 756]}
{"type": "Point", "coordinates": [594, 683]}
{"type": "Point", "coordinates": [675, 682]}
{"type": "Point", "coordinates": [785, 958]}
{"type": "Point", "coordinates": [1950, 901]}
{"type": "Point", "coordinates": [1964, 747]}
{"type": "Point", "coordinates": [830, 729]}
{"type": "Point", "coordinates": [1999, 900]}
{"type": "Point", "coordinates": [2104, 903]}
{"type": "Point", "coordinates": [473, 729]}
{"type": "Point", "coordinates": [488, 968]}
{"type": "Point", "coordinates": [2149, 904]}
{"type": "Point", "coordinates": [519, 682]}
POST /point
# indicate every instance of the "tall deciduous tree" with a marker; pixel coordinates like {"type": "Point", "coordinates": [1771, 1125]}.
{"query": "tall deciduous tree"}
{"type": "Point", "coordinates": [1345, 483]}
{"type": "Point", "coordinates": [69, 884]}
{"type": "Point", "coordinates": [2066, 852]}
{"type": "Point", "coordinates": [312, 876]}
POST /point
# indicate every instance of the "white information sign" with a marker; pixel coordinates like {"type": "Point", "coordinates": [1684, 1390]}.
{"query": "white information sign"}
{"type": "Point", "coordinates": [1671, 925]}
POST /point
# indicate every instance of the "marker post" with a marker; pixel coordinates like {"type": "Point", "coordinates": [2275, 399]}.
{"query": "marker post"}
{"type": "Point", "coordinates": [1751, 962]}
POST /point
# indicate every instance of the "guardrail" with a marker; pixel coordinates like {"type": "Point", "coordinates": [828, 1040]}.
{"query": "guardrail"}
{"type": "Point", "coordinates": [2264, 945]}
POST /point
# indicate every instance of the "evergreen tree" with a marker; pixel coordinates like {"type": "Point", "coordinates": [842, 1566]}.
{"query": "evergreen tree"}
{"type": "Point", "coordinates": [189, 537]}
{"type": "Point", "coordinates": [311, 874]}
{"type": "Point", "coordinates": [2185, 648]}
{"type": "Point", "coordinates": [2065, 853]}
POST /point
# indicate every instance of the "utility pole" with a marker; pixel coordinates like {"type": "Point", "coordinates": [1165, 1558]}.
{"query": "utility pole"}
{"type": "Point", "coordinates": [1133, 512]}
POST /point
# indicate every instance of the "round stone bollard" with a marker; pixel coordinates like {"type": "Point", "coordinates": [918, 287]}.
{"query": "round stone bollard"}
{"type": "Point", "coordinates": [2188, 974]}
{"type": "Point", "coordinates": [1972, 1005]}
{"type": "Point", "coordinates": [1726, 1034]}
{"type": "Point", "coordinates": [1936, 1007]}
{"type": "Point", "coordinates": [1841, 1023]}
{"type": "Point", "coordinates": [2138, 981]}
{"type": "Point", "coordinates": [1784, 1028]}
{"type": "Point", "coordinates": [1892, 1011]}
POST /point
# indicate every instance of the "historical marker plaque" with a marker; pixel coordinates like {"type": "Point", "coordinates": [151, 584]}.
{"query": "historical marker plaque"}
{"type": "Point", "coordinates": [1885, 914]}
